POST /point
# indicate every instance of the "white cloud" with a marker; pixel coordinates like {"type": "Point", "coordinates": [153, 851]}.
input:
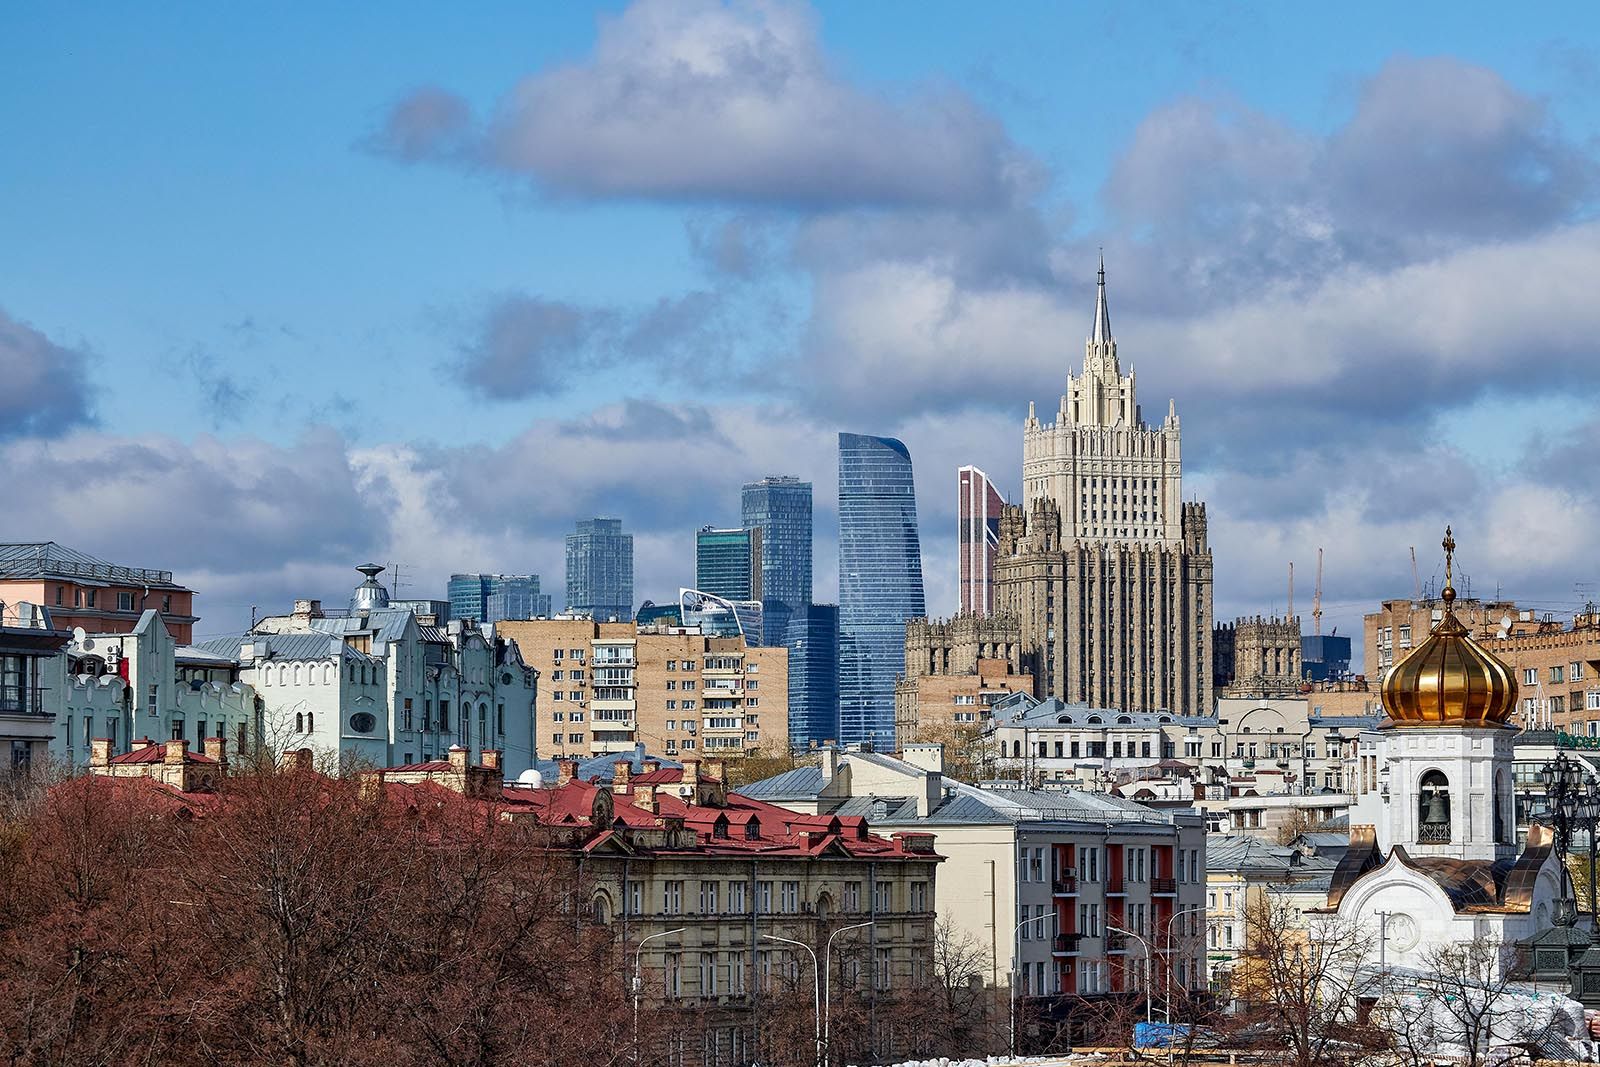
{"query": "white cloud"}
{"type": "Point", "coordinates": [704, 100]}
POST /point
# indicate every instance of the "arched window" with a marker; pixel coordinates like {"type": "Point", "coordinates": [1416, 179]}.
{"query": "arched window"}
{"type": "Point", "coordinates": [299, 722]}
{"type": "Point", "coordinates": [1499, 799]}
{"type": "Point", "coordinates": [283, 675]}
{"type": "Point", "coordinates": [327, 674]}
{"type": "Point", "coordinates": [1016, 750]}
{"type": "Point", "coordinates": [1433, 809]}
{"type": "Point", "coordinates": [297, 674]}
{"type": "Point", "coordinates": [309, 726]}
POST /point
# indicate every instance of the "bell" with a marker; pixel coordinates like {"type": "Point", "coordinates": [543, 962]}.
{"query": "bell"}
{"type": "Point", "coordinates": [1438, 810]}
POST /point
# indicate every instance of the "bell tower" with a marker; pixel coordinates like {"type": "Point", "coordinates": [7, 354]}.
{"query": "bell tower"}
{"type": "Point", "coordinates": [1445, 753]}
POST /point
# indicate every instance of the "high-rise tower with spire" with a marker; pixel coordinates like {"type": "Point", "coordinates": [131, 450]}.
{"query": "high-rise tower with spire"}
{"type": "Point", "coordinates": [1105, 565]}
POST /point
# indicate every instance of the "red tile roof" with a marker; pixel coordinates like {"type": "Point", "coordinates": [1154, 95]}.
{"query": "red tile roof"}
{"type": "Point", "coordinates": [157, 754]}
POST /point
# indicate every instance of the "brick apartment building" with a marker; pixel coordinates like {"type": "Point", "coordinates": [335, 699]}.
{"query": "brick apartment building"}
{"type": "Point", "coordinates": [605, 686]}
{"type": "Point", "coordinates": [83, 590]}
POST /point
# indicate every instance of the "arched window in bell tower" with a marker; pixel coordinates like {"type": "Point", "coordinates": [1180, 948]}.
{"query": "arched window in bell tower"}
{"type": "Point", "coordinates": [1500, 799]}
{"type": "Point", "coordinates": [1433, 809]}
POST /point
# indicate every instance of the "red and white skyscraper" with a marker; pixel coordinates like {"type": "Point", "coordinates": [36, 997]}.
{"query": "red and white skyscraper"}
{"type": "Point", "coordinates": [980, 535]}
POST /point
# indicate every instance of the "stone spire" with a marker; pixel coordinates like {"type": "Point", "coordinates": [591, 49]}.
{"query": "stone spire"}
{"type": "Point", "coordinates": [1102, 314]}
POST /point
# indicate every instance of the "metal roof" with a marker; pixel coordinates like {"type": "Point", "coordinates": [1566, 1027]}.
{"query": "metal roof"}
{"type": "Point", "coordinates": [38, 559]}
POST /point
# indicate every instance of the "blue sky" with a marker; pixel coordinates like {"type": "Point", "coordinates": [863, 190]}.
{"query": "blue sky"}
{"type": "Point", "coordinates": [285, 289]}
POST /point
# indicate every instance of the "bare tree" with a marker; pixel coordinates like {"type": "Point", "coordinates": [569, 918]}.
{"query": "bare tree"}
{"type": "Point", "coordinates": [1302, 979]}
{"type": "Point", "coordinates": [1460, 1003]}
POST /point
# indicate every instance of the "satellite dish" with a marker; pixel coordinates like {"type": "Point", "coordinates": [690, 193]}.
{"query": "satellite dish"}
{"type": "Point", "coordinates": [1505, 624]}
{"type": "Point", "coordinates": [1502, 634]}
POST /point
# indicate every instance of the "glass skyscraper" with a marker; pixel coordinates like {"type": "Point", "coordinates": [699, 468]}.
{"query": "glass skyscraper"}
{"type": "Point", "coordinates": [813, 642]}
{"type": "Point", "coordinates": [600, 569]}
{"type": "Point", "coordinates": [727, 563]}
{"type": "Point", "coordinates": [880, 582]}
{"type": "Point", "coordinates": [780, 507]}
{"type": "Point", "coordinates": [496, 597]}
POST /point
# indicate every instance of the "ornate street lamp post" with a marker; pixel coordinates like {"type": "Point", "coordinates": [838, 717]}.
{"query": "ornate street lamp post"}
{"type": "Point", "coordinates": [1573, 801]}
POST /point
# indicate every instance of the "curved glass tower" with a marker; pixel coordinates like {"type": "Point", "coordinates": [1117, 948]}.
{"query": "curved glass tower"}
{"type": "Point", "coordinates": [880, 582]}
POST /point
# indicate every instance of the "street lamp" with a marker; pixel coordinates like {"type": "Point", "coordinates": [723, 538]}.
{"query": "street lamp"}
{"type": "Point", "coordinates": [638, 985]}
{"type": "Point", "coordinates": [1147, 953]}
{"type": "Point", "coordinates": [816, 980]}
{"type": "Point", "coordinates": [1571, 802]}
{"type": "Point", "coordinates": [1016, 950]}
{"type": "Point", "coordinates": [827, 990]}
{"type": "Point", "coordinates": [1167, 997]}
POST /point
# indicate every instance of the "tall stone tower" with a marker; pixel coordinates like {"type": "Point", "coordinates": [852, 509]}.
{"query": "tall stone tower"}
{"type": "Point", "coordinates": [1258, 657]}
{"type": "Point", "coordinates": [1106, 567]}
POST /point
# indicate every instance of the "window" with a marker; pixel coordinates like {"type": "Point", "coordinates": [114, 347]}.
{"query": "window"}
{"type": "Point", "coordinates": [790, 901]}
{"type": "Point", "coordinates": [852, 896]}
{"type": "Point", "coordinates": [1558, 674]}
{"type": "Point", "coordinates": [736, 973]}
{"type": "Point", "coordinates": [444, 715]}
{"type": "Point", "coordinates": [883, 896]}
{"type": "Point", "coordinates": [672, 898]}
{"type": "Point", "coordinates": [88, 597]}
{"type": "Point", "coordinates": [764, 897]}
{"type": "Point", "coordinates": [688, 683]}
{"type": "Point", "coordinates": [672, 686]}
{"type": "Point", "coordinates": [881, 964]}
{"type": "Point", "coordinates": [406, 715]}
{"type": "Point", "coordinates": [1576, 671]}
{"type": "Point", "coordinates": [574, 739]}
{"type": "Point", "coordinates": [708, 898]}
{"type": "Point", "coordinates": [177, 729]}
{"type": "Point", "coordinates": [124, 601]}
{"type": "Point", "coordinates": [672, 974]}
{"type": "Point", "coordinates": [557, 694]}
{"type": "Point", "coordinates": [708, 974]}
{"type": "Point", "coordinates": [557, 676]}
{"type": "Point", "coordinates": [738, 902]}
{"type": "Point", "coordinates": [635, 898]}
{"type": "Point", "coordinates": [1592, 700]}
{"type": "Point", "coordinates": [1530, 676]}
{"type": "Point", "coordinates": [672, 664]}
{"type": "Point", "coordinates": [919, 896]}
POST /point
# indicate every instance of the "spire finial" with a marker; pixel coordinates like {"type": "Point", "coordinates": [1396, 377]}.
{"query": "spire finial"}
{"type": "Point", "coordinates": [1449, 544]}
{"type": "Point", "coordinates": [1102, 313]}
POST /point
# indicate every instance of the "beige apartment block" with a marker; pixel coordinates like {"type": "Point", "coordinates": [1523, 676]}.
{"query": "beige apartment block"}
{"type": "Point", "coordinates": [1557, 666]}
{"type": "Point", "coordinates": [956, 670]}
{"type": "Point", "coordinates": [606, 686]}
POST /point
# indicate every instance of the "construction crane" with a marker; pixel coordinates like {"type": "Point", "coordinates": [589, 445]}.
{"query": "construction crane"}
{"type": "Point", "coordinates": [1416, 582]}
{"type": "Point", "coordinates": [1316, 599]}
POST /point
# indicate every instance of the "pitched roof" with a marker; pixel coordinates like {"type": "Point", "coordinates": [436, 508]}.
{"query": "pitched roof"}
{"type": "Point", "coordinates": [157, 753]}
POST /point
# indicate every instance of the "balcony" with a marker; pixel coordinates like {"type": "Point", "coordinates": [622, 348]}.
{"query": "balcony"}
{"type": "Point", "coordinates": [19, 700]}
{"type": "Point", "coordinates": [1066, 887]}
{"type": "Point", "coordinates": [1164, 886]}
{"type": "Point", "coordinates": [1116, 942]}
{"type": "Point", "coordinates": [1067, 943]}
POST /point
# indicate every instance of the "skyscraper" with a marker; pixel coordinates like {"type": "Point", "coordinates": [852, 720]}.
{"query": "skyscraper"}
{"type": "Point", "coordinates": [813, 642]}
{"type": "Point", "coordinates": [496, 597]}
{"type": "Point", "coordinates": [1107, 568]}
{"type": "Point", "coordinates": [780, 507]}
{"type": "Point", "coordinates": [727, 563]}
{"type": "Point", "coordinates": [880, 581]}
{"type": "Point", "coordinates": [979, 534]}
{"type": "Point", "coordinates": [600, 569]}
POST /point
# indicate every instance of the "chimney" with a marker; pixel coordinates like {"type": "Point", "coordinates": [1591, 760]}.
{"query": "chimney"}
{"type": "Point", "coordinates": [369, 785]}
{"type": "Point", "coordinates": [217, 748]}
{"type": "Point", "coordinates": [100, 752]}
{"type": "Point", "coordinates": [491, 760]}
{"type": "Point", "coordinates": [649, 766]}
{"type": "Point", "coordinates": [830, 762]}
{"type": "Point", "coordinates": [458, 760]}
{"type": "Point", "coordinates": [566, 769]}
{"type": "Point", "coordinates": [177, 752]}
{"type": "Point", "coordinates": [644, 798]}
{"type": "Point", "coordinates": [716, 770]}
{"type": "Point", "coordinates": [621, 774]}
{"type": "Point", "coordinates": [140, 745]}
{"type": "Point", "coordinates": [691, 780]}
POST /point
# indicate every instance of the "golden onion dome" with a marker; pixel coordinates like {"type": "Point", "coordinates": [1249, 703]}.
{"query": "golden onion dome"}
{"type": "Point", "coordinates": [1449, 679]}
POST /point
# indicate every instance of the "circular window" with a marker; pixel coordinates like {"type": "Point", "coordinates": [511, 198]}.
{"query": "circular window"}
{"type": "Point", "coordinates": [363, 722]}
{"type": "Point", "coordinates": [505, 679]}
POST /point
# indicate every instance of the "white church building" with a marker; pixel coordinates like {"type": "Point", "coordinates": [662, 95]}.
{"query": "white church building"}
{"type": "Point", "coordinates": [1434, 857]}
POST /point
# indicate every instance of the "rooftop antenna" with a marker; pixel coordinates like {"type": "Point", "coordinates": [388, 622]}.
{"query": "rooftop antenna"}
{"type": "Point", "coordinates": [1316, 599]}
{"type": "Point", "coordinates": [1416, 581]}
{"type": "Point", "coordinates": [1290, 613]}
{"type": "Point", "coordinates": [394, 580]}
